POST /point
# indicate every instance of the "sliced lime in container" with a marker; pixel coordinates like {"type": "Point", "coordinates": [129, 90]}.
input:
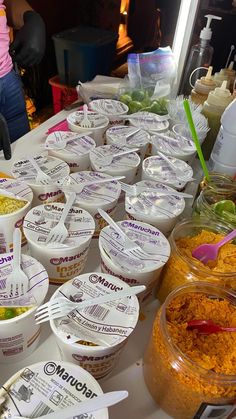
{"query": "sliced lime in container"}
{"type": "Point", "coordinates": [224, 206]}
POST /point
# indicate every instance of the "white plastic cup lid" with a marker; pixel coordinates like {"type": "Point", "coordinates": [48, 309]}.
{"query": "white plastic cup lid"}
{"type": "Point", "coordinates": [95, 194]}
{"type": "Point", "coordinates": [152, 204]}
{"type": "Point", "coordinates": [105, 325]}
{"type": "Point", "coordinates": [41, 219]}
{"type": "Point", "coordinates": [55, 168]}
{"type": "Point", "coordinates": [108, 107]}
{"type": "Point", "coordinates": [148, 121]}
{"type": "Point", "coordinates": [122, 162]}
{"type": "Point", "coordinates": [172, 145]}
{"type": "Point", "coordinates": [145, 236]}
{"type": "Point", "coordinates": [122, 134]}
{"type": "Point", "coordinates": [76, 145]}
{"type": "Point", "coordinates": [97, 120]}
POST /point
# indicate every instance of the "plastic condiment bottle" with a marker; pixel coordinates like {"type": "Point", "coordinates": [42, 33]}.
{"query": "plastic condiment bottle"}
{"type": "Point", "coordinates": [219, 77]}
{"type": "Point", "coordinates": [202, 88]}
{"type": "Point", "coordinates": [230, 73]}
{"type": "Point", "coordinates": [200, 55]}
{"type": "Point", "coordinates": [213, 108]}
{"type": "Point", "coordinates": [223, 156]}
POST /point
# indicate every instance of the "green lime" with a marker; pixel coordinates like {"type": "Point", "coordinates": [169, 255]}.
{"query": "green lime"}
{"type": "Point", "coordinates": [225, 205]}
{"type": "Point", "coordinates": [9, 313]}
{"type": "Point", "coordinates": [138, 95]}
{"type": "Point", "coordinates": [125, 99]}
{"type": "Point", "coordinates": [135, 106]}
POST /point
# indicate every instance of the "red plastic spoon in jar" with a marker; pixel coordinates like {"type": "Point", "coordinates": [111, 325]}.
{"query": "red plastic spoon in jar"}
{"type": "Point", "coordinates": [206, 327]}
{"type": "Point", "coordinates": [206, 252]}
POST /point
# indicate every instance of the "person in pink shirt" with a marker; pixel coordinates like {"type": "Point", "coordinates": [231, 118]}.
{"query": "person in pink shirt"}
{"type": "Point", "coordinates": [26, 50]}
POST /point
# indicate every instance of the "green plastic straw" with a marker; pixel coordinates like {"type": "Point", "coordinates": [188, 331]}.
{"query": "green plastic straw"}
{"type": "Point", "coordinates": [195, 137]}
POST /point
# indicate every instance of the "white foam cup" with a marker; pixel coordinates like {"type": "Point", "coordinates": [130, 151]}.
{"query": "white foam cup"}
{"type": "Point", "coordinates": [154, 208]}
{"type": "Point", "coordinates": [20, 335]}
{"type": "Point", "coordinates": [76, 152]}
{"type": "Point", "coordinates": [96, 195]}
{"type": "Point", "coordinates": [55, 168]}
{"type": "Point", "coordinates": [126, 165]}
{"type": "Point", "coordinates": [62, 260]}
{"type": "Point", "coordinates": [9, 221]}
{"type": "Point", "coordinates": [99, 124]}
{"type": "Point", "coordinates": [134, 268]}
{"type": "Point", "coordinates": [95, 336]}
{"type": "Point", "coordinates": [47, 387]}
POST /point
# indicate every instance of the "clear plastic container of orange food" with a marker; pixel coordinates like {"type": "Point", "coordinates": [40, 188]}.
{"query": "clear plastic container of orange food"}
{"type": "Point", "coordinates": [189, 375]}
{"type": "Point", "coordinates": [183, 268]}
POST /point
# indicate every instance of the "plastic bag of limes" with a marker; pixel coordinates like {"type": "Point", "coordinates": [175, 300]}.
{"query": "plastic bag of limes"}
{"type": "Point", "coordinates": [139, 100]}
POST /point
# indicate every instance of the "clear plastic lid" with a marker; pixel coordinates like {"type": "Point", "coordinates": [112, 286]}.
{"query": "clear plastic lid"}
{"type": "Point", "coordinates": [108, 107]}
{"type": "Point", "coordinates": [121, 162]}
{"type": "Point", "coordinates": [128, 136]}
{"type": "Point", "coordinates": [97, 120]}
{"type": "Point", "coordinates": [75, 143]}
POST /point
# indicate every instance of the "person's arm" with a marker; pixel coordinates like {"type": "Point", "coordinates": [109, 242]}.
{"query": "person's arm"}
{"type": "Point", "coordinates": [15, 10]}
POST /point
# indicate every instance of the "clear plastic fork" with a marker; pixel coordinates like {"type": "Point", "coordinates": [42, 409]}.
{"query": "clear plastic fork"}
{"type": "Point", "coordinates": [61, 306]}
{"type": "Point", "coordinates": [41, 177]}
{"type": "Point", "coordinates": [179, 173]}
{"type": "Point", "coordinates": [17, 282]}
{"type": "Point", "coordinates": [129, 245]}
{"type": "Point", "coordinates": [59, 233]}
{"type": "Point", "coordinates": [134, 190]}
{"type": "Point", "coordinates": [85, 123]}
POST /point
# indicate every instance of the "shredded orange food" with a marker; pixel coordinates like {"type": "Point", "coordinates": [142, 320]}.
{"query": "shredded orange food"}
{"type": "Point", "coordinates": [180, 387]}
{"type": "Point", "coordinates": [179, 268]}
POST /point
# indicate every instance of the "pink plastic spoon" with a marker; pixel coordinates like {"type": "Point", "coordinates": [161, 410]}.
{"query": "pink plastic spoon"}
{"type": "Point", "coordinates": [206, 327]}
{"type": "Point", "coordinates": [206, 252]}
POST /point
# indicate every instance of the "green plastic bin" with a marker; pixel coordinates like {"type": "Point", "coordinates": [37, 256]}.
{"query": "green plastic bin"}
{"type": "Point", "coordinates": [83, 52]}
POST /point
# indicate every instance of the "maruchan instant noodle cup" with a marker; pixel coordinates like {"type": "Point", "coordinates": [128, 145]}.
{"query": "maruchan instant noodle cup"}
{"type": "Point", "coordinates": [137, 267]}
{"type": "Point", "coordinates": [19, 334]}
{"type": "Point", "coordinates": [13, 211]}
{"type": "Point", "coordinates": [99, 124]}
{"type": "Point", "coordinates": [95, 336]}
{"type": "Point", "coordinates": [55, 168]}
{"type": "Point", "coordinates": [62, 260]}
{"type": "Point", "coordinates": [123, 165]}
{"type": "Point", "coordinates": [154, 208]}
{"type": "Point", "coordinates": [172, 145]}
{"type": "Point", "coordinates": [149, 121]}
{"type": "Point", "coordinates": [114, 110]}
{"type": "Point", "coordinates": [76, 151]}
{"type": "Point", "coordinates": [96, 195]}
{"type": "Point", "coordinates": [47, 387]}
{"type": "Point", "coordinates": [155, 168]}
{"type": "Point", "coordinates": [130, 137]}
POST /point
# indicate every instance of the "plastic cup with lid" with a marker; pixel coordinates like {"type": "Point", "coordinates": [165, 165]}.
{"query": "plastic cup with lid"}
{"type": "Point", "coordinates": [62, 260]}
{"type": "Point", "coordinates": [11, 215]}
{"type": "Point", "coordinates": [76, 152]}
{"type": "Point", "coordinates": [124, 165]}
{"type": "Point", "coordinates": [183, 131]}
{"type": "Point", "coordinates": [55, 168]}
{"type": "Point", "coordinates": [155, 168]}
{"type": "Point", "coordinates": [151, 207]}
{"type": "Point", "coordinates": [129, 137]}
{"type": "Point", "coordinates": [99, 124]}
{"type": "Point", "coordinates": [47, 387]}
{"type": "Point", "coordinates": [133, 267]}
{"type": "Point", "coordinates": [20, 335]}
{"type": "Point", "coordinates": [114, 110]}
{"type": "Point", "coordinates": [169, 144]}
{"type": "Point", "coordinates": [149, 121]}
{"type": "Point", "coordinates": [95, 336]}
{"type": "Point", "coordinates": [96, 195]}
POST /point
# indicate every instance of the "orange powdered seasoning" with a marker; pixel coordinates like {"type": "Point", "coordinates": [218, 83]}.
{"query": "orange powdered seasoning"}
{"type": "Point", "coordinates": [180, 387]}
{"type": "Point", "coordinates": [179, 268]}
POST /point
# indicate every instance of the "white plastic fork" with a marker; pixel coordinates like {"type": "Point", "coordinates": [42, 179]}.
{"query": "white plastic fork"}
{"type": "Point", "coordinates": [87, 406]}
{"type": "Point", "coordinates": [59, 233]}
{"type": "Point", "coordinates": [4, 192]}
{"type": "Point", "coordinates": [107, 160]}
{"type": "Point", "coordinates": [41, 177]}
{"type": "Point", "coordinates": [17, 282]}
{"type": "Point", "coordinates": [179, 173]}
{"type": "Point", "coordinates": [78, 187]}
{"type": "Point", "coordinates": [61, 141]}
{"type": "Point", "coordinates": [134, 190]}
{"type": "Point", "coordinates": [61, 306]}
{"type": "Point", "coordinates": [129, 245]}
{"type": "Point", "coordinates": [85, 123]}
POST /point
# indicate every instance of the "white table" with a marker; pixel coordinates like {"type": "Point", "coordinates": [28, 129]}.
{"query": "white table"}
{"type": "Point", "coordinates": [128, 373]}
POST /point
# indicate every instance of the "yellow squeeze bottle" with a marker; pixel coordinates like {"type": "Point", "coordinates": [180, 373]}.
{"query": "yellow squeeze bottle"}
{"type": "Point", "coordinates": [230, 73]}
{"type": "Point", "coordinates": [203, 87]}
{"type": "Point", "coordinates": [213, 108]}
